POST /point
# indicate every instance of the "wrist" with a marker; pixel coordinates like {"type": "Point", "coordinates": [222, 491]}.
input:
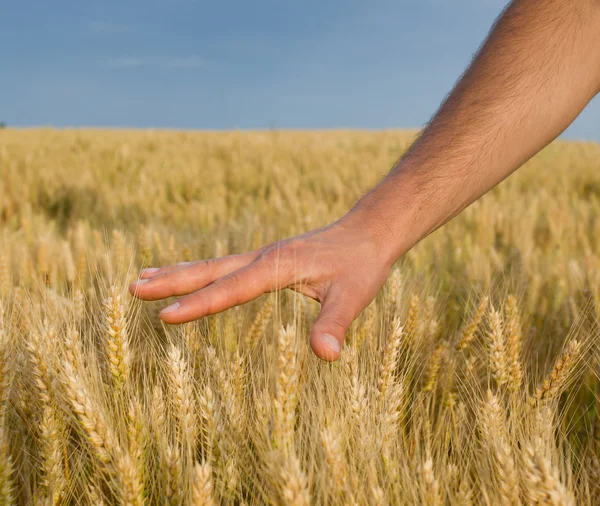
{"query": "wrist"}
{"type": "Point", "coordinates": [400, 211]}
{"type": "Point", "coordinates": [381, 224]}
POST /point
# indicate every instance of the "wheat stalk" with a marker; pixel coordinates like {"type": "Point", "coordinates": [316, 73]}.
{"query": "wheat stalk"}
{"type": "Point", "coordinates": [554, 383]}
{"type": "Point", "coordinates": [102, 438]}
{"type": "Point", "coordinates": [137, 437]}
{"type": "Point", "coordinates": [5, 281]}
{"type": "Point", "coordinates": [202, 488]}
{"type": "Point", "coordinates": [183, 397]}
{"type": "Point", "coordinates": [257, 329]}
{"type": "Point", "coordinates": [368, 325]}
{"type": "Point", "coordinates": [393, 295]}
{"type": "Point", "coordinates": [390, 357]}
{"type": "Point", "coordinates": [468, 332]}
{"type": "Point", "coordinates": [513, 345]}
{"type": "Point", "coordinates": [79, 305]}
{"type": "Point", "coordinates": [51, 437]}
{"type": "Point", "coordinates": [90, 416]}
{"type": "Point", "coordinates": [38, 346]}
{"type": "Point", "coordinates": [543, 484]}
{"type": "Point", "coordinates": [357, 390]}
{"type": "Point", "coordinates": [117, 340]}
{"type": "Point", "coordinates": [6, 471]}
{"type": "Point", "coordinates": [497, 348]}
{"type": "Point", "coordinates": [494, 431]}
{"type": "Point", "coordinates": [332, 445]}
{"type": "Point", "coordinates": [5, 366]}
{"type": "Point", "coordinates": [294, 485]}
{"type": "Point", "coordinates": [286, 393]}
{"type": "Point", "coordinates": [172, 469]}
{"type": "Point", "coordinates": [431, 488]}
{"type": "Point", "coordinates": [411, 326]}
{"type": "Point", "coordinates": [231, 400]}
{"type": "Point", "coordinates": [434, 366]}
{"type": "Point", "coordinates": [210, 419]}
{"type": "Point", "coordinates": [159, 411]}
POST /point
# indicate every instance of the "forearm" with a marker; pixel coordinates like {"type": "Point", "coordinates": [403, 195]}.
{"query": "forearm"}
{"type": "Point", "coordinates": [537, 70]}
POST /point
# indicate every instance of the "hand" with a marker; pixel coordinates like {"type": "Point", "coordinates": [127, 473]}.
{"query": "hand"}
{"type": "Point", "coordinates": [340, 265]}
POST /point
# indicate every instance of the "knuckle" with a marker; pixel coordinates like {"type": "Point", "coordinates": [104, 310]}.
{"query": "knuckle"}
{"type": "Point", "coordinates": [202, 264]}
{"type": "Point", "coordinates": [231, 280]}
{"type": "Point", "coordinates": [162, 277]}
{"type": "Point", "coordinates": [341, 318]}
{"type": "Point", "coordinates": [332, 324]}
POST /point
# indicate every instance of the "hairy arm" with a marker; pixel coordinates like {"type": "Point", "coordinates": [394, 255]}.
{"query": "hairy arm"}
{"type": "Point", "coordinates": [536, 71]}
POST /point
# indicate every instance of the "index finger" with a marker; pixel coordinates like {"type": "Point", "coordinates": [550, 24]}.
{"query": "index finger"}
{"type": "Point", "coordinates": [181, 279]}
{"type": "Point", "coordinates": [234, 289]}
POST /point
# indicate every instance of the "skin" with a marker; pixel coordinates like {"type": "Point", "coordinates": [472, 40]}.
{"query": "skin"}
{"type": "Point", "coordinates": [535, 72]}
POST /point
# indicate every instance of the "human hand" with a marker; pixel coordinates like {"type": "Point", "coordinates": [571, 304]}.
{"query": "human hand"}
{"type": "Point", "coordinates": [341, 266]}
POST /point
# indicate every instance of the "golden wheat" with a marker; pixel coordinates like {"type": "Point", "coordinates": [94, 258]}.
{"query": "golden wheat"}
{"type": "Point", "coordinates": [469, 380]}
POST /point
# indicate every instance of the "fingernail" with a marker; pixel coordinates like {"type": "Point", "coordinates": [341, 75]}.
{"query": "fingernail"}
{"type": "Point", "coordinates": [151, 270]}
{"type": "Point", "coordinates": [331, 342]}
{"type": "Point", "coordinates": [171, 309]}
{"type": "Point", "coordinates": [140, 282]}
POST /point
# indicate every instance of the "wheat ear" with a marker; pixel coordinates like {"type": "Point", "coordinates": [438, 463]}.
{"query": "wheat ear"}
{"type": "Point", "coordinates": [286, 394]}
{"type": "Point", "coordinates": [257, 329]}
{"type": "Point", "coordinates": [390, 357]}
{"type": "Point", "coordinates": [52, 458]}
{"type": "Point", "coordinates": [554, 383]}
{"type": "Point", "coordinates": [494, 431]}
{"type": "Point", "coordinates": [6, 471]}
{"type": "Point", "coordinates": [5, 368]}
{"type": "Point", "coordinates": [117, 341]}
{"type": "Point", "coordinates": [393, 295]}
{"type": "Point", "coordinates": [294, 484]}
{"type": "Point", "coordinates": [468, 332]}
{"type": "Point", "coordinates": [544, 486]}
{"type": "Point", "coordinates": [183, 397]}
{"type": "Point", "coordinates": [411, 326]}
{"type": "Point", "coordinates": [202, 486]}
{"type": "Point", "coordinates": [331, 441]}
{"type": "Point", "coordinates": [513, 344]}
{"type": "Point", "coordinates": [434, 366]}
{"type": "Point", "coordinates": [497, 348]}
{"type": "Point", "coordinates": [431, 488]}
{"type": "Point", "coordinates": [102, 439]}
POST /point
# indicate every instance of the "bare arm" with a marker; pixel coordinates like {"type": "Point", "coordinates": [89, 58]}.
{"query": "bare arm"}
{"type": "Point", "coordinates": [538, 69]}
{"type": "Point", "coordinates": [534, 74]}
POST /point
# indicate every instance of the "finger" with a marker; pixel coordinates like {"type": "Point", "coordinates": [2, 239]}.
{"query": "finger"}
{"type": "Point", "coordinates": [153, 271]}
{"type": "Point", "coordinates": [338, 311]}
{"type": "Point", "coordinates": [235, 288]}
{"type": "Point", "coordinates": [184, 279]}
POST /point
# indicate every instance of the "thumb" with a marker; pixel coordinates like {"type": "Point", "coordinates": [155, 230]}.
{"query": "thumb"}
{"type": "Point", "coordinates": [327, 334]}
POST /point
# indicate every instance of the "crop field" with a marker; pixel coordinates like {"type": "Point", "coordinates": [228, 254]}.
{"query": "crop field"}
{"type": "Point", "coordinates": [472, 379]}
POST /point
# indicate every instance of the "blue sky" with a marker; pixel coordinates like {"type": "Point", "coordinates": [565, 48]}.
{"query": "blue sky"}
{"type": "Point", "coordinates": [237, 64]}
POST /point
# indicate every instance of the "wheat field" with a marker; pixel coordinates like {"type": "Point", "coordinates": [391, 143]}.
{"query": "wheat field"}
{"type": "Point", "coordinates": [471, 379]}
